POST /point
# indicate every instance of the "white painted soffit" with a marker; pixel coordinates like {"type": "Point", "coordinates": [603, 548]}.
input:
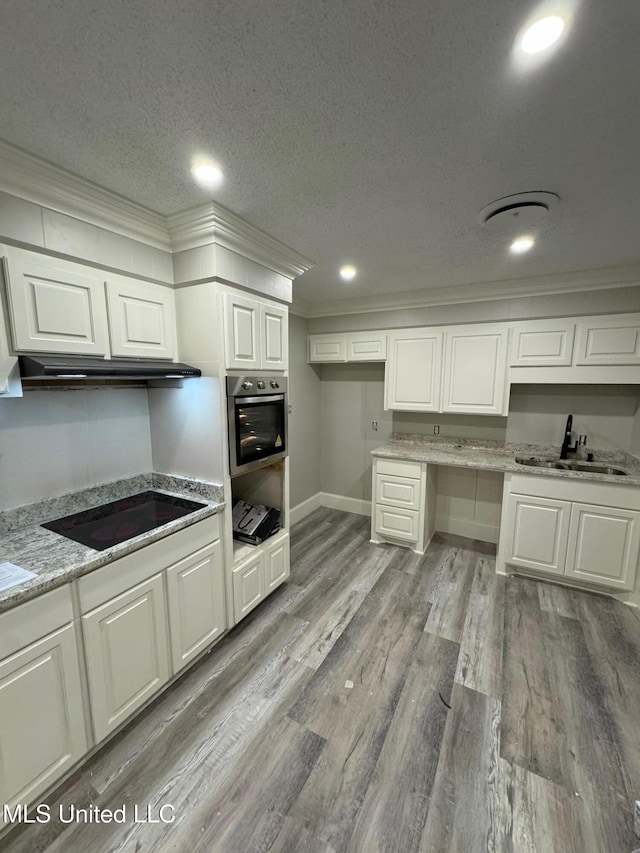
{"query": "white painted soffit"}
{"type": "Point", "coordinates": [585, 280]}
{"type": "Point", "coordinates": [42, 183]}
{"type": "Point", "coordinates": [213, 223]}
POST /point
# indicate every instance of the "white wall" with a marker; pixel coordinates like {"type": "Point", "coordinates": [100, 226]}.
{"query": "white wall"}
{"type": "Point", "coordinates": [57, 441]}
{"type": "Point", "coordinates": [606, 414]}
{"type": "Point", "coordinates": [186, 432]}
{"type": "Point", "coordinates": [622, 299]}
{"type": "Point", "coordinates": [304, 419]}
{"type": "Point", "coordinates": [352, 397]}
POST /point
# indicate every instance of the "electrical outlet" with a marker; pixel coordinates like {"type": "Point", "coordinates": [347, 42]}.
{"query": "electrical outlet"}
{"type": "Point", "coordinates": [436, 429]}
{"type": "Point", "coordinates": [374, 426]}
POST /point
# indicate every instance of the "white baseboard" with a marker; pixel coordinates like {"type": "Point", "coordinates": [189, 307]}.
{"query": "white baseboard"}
{"type": "Point", "coordinates": [305, 508]}
{"type": "Point", "coordinates": [469, 528]}
{"type": "Point", "coordinates": [345, 504]}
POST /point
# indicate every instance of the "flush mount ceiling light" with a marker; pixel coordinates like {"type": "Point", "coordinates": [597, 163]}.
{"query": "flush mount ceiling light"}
{"type": "Point", "coordinates": [348, 273]}
{"type": "Point", "coordinates": [542, 34]}
{"type": "Point", "coordinates": [207, 174]}
{"type": "Point", "coordinates": [521, 245]}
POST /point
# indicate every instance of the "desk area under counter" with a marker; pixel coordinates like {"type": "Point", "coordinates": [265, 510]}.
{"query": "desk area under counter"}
{"type": "Point", "coordinates": [577, 527]}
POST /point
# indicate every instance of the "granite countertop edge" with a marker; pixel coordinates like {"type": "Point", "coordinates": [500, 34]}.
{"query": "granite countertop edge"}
{"type": "Point", "coordinates": [57, 560]}
{"type": "Point", "coordinates": [495, 456]}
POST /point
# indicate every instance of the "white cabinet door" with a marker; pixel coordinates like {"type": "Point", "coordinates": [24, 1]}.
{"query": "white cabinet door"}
{"type": "Point", "coordinates": [242, 332]}
{"type": "Point", "coordinates": [397, 523]}
{"type": "Point", "coordinates": [127, 655]}
{"type": "Point", "coordinates": [327, 348]}
{"type": "Point", "coordinates": [275, 337]}
{"type": "Point", "coordinates": [544, 343]}
{"type": "Point", "coordinates": [56, 306]}
{"type": "Point", "coordinates": [197, 612]}
{"type": "Point", "coordinates": [277, 563]}
{"type": "Point", "coordinates": [248, 585]}
{"type": "Point", "coordinates": [611, 340]}
{"type": "Point", "coordinates": [42, 727]}
{"type": "Point", "coordinates": [366, 346]}
{"type": "Point", "coordinates": [604, 544]}
{"type": "Point", "coordinates": [142, 318]}
{"type": "Point", "coordinates": [536, 533]}
{"type": "Point", "coordinates": [475, 370]}
{"type": "Point", "coordinates": [413, 371]}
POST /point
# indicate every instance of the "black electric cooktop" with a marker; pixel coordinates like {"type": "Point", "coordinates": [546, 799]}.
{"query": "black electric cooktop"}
{"type": "Point", "coordinates": [115, 522]}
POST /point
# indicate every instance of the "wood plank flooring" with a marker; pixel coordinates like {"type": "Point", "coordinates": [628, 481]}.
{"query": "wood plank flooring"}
{"type": "Point", "coordinates": [382, 701]}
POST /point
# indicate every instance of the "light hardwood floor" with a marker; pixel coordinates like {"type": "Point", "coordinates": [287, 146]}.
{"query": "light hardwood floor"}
{"type": "Point", "coordinates": [381, 701]}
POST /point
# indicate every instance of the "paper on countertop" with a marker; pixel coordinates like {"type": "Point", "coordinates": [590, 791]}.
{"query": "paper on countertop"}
{"type": "Point", "coordinates": [11, 575]}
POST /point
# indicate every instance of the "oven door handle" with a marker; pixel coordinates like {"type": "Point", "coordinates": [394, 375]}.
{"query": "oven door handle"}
{"type": "Point", "coordinates": [276, 398]}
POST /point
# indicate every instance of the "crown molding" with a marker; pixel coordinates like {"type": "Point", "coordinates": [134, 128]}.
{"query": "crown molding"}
{"type": "Point", "coordinates": [40, 182]}
{"type": "Point", "coordinates": [582, 280]}
{"type": "Point", "coordinates": [213, 223]}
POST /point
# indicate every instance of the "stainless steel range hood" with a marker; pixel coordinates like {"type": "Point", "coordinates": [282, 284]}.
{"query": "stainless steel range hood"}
{"type": "Point", "coordinates": [81, 367]}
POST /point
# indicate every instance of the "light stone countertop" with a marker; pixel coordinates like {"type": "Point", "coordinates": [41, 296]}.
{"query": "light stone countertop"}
{"type": "Point", "coordinates": [56, 560]}
{"type": "Point", "coordinates": [495, 456]}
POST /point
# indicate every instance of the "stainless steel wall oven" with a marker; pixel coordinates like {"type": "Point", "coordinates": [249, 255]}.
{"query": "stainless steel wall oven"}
{"type": "Point", "coordinates": [257, 416]}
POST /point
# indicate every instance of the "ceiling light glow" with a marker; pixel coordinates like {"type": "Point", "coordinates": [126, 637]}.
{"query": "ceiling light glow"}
{"type": "Point", "coordinates": [521, 245]}
{"type": "Point", "coordinates": [348, 273]}
{"type": "Point", "coordinates": [542, 34]}
{"type": "Point", "coordinates": [208, 175]}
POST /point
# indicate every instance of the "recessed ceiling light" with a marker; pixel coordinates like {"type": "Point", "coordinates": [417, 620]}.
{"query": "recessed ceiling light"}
{"type": "Point", "coordinates": [521, 245]}
{"type": "Point", "coordinates": [208, 175]}
{"type": "Point", "coordinates": [542, 34]}
{"type": "Point", "coordinates": [348, 273]}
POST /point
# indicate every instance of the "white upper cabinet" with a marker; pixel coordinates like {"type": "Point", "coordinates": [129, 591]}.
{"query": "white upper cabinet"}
{"type": "Point", "coordinates": [255, 332]}
{"type": "Point", "coordinates": [274, 321]}
{"type": "Point", "coordinates": [327, 348]}
{"type": "Point", "coordinates": [142, 318]}
{"type": "Point", "coordinates": [56, 306]}
{"type": "Point", "coordinates": [610, 340]}
{"type": "Point", "coordinates": [543, 343]}
{"type": "Point", "coordinates": [366, 346]}
{"type": "Point", "coordinates": [350, 346]}
{"type": "Point", "coordinates": [413, 370]}
{"type": "Point", "coordinates": [10, 385]}
{"type": "Point", "coordinates": [475, 370]}
{"type": "Point", "coordinates": [242, 331]}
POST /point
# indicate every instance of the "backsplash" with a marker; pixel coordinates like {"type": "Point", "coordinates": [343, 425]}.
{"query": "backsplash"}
{"type": "Point", "coordinates": [56, 441]}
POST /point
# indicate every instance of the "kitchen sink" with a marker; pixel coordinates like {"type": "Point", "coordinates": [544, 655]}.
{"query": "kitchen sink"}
{"type": "Point", "coordinates": [561, 465]}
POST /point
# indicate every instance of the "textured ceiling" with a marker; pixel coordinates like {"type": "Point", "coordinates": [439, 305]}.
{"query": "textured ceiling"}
{"type": "Point", "coordinates": [353, 130]}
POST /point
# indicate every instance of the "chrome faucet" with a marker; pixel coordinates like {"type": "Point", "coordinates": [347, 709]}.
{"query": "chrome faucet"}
{"type": "Point", "coordinates": [566, 441]}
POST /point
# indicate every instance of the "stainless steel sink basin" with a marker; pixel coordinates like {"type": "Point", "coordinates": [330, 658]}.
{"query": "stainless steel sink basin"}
{"type": "Point", "coordinates": [561, 465]}
{"type": "Point", "coordinates": [595, 469]}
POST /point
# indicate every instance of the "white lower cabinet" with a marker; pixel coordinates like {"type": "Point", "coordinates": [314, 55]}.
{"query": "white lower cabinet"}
{"type": "Point", "coordinates": [583, 531]}
{"type": "Point", "coordinates": [604, 544]}
{"type": "Point", "coordinates": [127, 655]}
{"type": "Point", "coordinates": [42, 723]}
{"type": "Point", "coordinates": [538, 533]}
{"type": "Point", "coordinates": [403, 509]}
{"type": "Point", "coordinates": [259, 574]}
{"type": "Point", "coordinates": [197, 613]}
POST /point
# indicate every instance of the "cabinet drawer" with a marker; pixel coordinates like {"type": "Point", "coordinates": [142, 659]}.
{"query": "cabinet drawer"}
{"type": "Point", "coordinates": [398, 491]}
{"type": "Point", "coordinates": [399, 468]}
{"type": "Point", "coordinates": [397, 523]}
